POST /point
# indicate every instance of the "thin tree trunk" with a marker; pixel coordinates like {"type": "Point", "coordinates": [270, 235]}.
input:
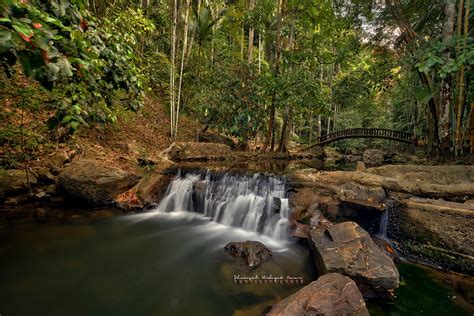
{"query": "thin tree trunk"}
{"type": "Point", "coordinates": [174, 16]}
{"type": "Point", "coordinates": [185, 44]}
{"type": "Point", "coordinates": [242, 39]}
{"type": "Point", "coordinates": [259, 53]}
{"type": "Point", "coordinates": [251, 34]}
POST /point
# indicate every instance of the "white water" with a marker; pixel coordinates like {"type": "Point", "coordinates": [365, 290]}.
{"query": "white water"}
{"type": "Point", "coordinates": [255, 203]}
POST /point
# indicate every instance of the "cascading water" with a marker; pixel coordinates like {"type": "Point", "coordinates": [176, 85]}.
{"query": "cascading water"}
{"type": "Point", "coordinates": [382, 233]}
{"type": "Point", "coordinates": [256, 203]}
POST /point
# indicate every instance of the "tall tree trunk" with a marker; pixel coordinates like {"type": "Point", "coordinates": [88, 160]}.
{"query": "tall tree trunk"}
{"type": "Point", "coordinates": [446, 93]}
{"type": "Point", "coordinates": [183, 55]}
{"type": "Point", "coordinates": [271, 122]}
{"type": "Point", "coordinates": [259, 53]}
{"type": "Point", "coordinates": [460, 106]}
{"type": "Point", "coordinates": [174, 17]}
{"type": "Point", "coordinates": [251, 34]}
{"type": "Point", "coordinates": [242, 40]}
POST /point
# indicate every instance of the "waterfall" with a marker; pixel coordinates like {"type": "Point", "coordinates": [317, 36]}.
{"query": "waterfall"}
{"type": "Point", "coordinates": [382, 233]}
{"type": "Point", "coordinates": [253, 202]}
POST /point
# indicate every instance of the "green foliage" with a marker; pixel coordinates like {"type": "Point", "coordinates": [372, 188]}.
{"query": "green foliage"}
{"type": "Point", "coordinates": [89, 67]}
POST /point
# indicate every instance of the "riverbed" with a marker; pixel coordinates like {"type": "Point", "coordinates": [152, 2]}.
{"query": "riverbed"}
{"type": "Point", "coordinates": [174, 264]}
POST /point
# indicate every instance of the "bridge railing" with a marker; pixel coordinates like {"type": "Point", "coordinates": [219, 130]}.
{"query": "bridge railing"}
{"type": "Point", "coordinates": [366, 132]}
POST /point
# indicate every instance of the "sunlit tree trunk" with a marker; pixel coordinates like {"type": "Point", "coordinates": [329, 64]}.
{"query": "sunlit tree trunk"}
{"type": "Point", "coordinates": [185, 44]}
{"type": "Point", "coordinates": [174, 17]}
{"type": "Point", "coordinates": [251, 34]}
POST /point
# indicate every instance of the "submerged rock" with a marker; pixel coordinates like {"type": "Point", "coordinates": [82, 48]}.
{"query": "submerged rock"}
{"type": "Point", "coordinates": [331, 294]}
{"type": "Point", "coordinates": [254, 252]}
{"type": "Point", "coordinates": [348, 249]}
{"type": "Point", "coordinates": [94, 182]}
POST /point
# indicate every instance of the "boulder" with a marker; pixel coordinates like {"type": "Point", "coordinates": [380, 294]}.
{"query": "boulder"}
{"type": "Point", "coordinates": [215, 138]}
{"type": "Point", "coordinates": [373, 157]}
{"type": "Point", "coordinates": [15, 181]}
{"type": "Point", "coordinates": [94, 182]}
{"type": "Point", "coordinates": [331, 294]}
{"type": "Point", "coordinates": [348, 249]}
{"type": "Point", "coordinates": [191, 151]}
{"type": "Point", "coordinates": [255, 253]}
{"type": "Point", "coordinates": [148, 192]}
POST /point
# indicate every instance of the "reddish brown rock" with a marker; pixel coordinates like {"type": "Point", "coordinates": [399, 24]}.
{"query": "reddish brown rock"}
{"type": "Point", "coordinates": [331, 294]}
{"type": "Point", "coordinates": [348, 249]}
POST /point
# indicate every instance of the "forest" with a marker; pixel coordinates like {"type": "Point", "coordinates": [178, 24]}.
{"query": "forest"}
{"type": "Point", "coordinates": [237, 157]}
{"type": "Point", "coordinates": [265, 72]}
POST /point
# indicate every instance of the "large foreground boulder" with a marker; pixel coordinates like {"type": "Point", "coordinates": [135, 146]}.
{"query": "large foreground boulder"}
{"type": "Point", "coordinates": [95, 182]}
{"type": "Point", "coordinates": [346, 248]}
{"type": "Point", "coordinates": [255, 253]}
{"type": "Point", "coordinates": [331, 294]}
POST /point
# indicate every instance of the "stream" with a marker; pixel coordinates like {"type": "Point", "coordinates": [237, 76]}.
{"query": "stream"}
{"type": "Point", "coordinates": [170, 260]}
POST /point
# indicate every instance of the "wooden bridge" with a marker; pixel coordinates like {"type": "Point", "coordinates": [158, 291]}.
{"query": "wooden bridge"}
{"type": "Point", "coordinates": [365, 133]}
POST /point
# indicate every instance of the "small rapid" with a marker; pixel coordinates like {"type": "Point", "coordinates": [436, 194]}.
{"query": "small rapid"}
{"type": "Point", "coordinates": [253, 202]}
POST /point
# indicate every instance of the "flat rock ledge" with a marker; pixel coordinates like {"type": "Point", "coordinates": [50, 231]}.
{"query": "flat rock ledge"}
{"type": "Point", "coordinates": [331, 294]}
{"type": "Point", "coordinates": [346, 248]}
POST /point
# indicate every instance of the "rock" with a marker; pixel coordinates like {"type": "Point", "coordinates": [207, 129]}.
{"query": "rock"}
{"type": "Point", "coordinates": [362, 197]}
{"type": "Point", "coordinates": [56, 161]}
{"type": "Point", "coordinates": [315, 152]}
{"type": "Point", "coordinates": [298, 231]}
{"type": "Point", "coordinates": [15, 181]}
{"type": "Point", "coordinates": [332, 154]}
{"type": "Point", "coordinates": [348, 249]}
{"type": "Point", "coordinates": [198, 151]}
{"type": "Point", "coordinates": [423, 181]}
{"type": "Point", "coordinates": [44, 175]}
{"type": "Point", "coordinates": [215, 138]}
{"type": "Point", "coordinates": [41, 195]}
{"type": "Point", "coordinates": [331, 294]}
{"type": "Point", "coordinates": [360, 166]}
{"type": "Point", "coordinates": [199, 195]}
{"type": "Point", "coordinates": [352, 158]}
{"type": "Point", "coordinates": [386, 248]}
{"type": "Point", "coordinates": [51, 189]}
{"type": "Point", "coordinates": [94, 182]}
{"type": "Point", "coordinates": [373, 157]}
{"type": "Point", "coordinates": [435, 232]}
{"type": "Point", "coordinates": [276, 204]}
{"type": "Point", "coordinates": [255, 253]}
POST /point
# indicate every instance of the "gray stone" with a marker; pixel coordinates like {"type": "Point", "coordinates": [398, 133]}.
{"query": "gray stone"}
{"type": "Point", "coordinates": [254, 252]}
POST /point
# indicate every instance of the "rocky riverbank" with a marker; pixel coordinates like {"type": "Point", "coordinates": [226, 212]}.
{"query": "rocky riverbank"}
{"type": "Point", "coordinates": [430, 208]}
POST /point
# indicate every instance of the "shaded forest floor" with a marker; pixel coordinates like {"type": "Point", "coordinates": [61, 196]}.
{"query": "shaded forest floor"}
{"type": "Point", "coordinates": [134, 137]}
